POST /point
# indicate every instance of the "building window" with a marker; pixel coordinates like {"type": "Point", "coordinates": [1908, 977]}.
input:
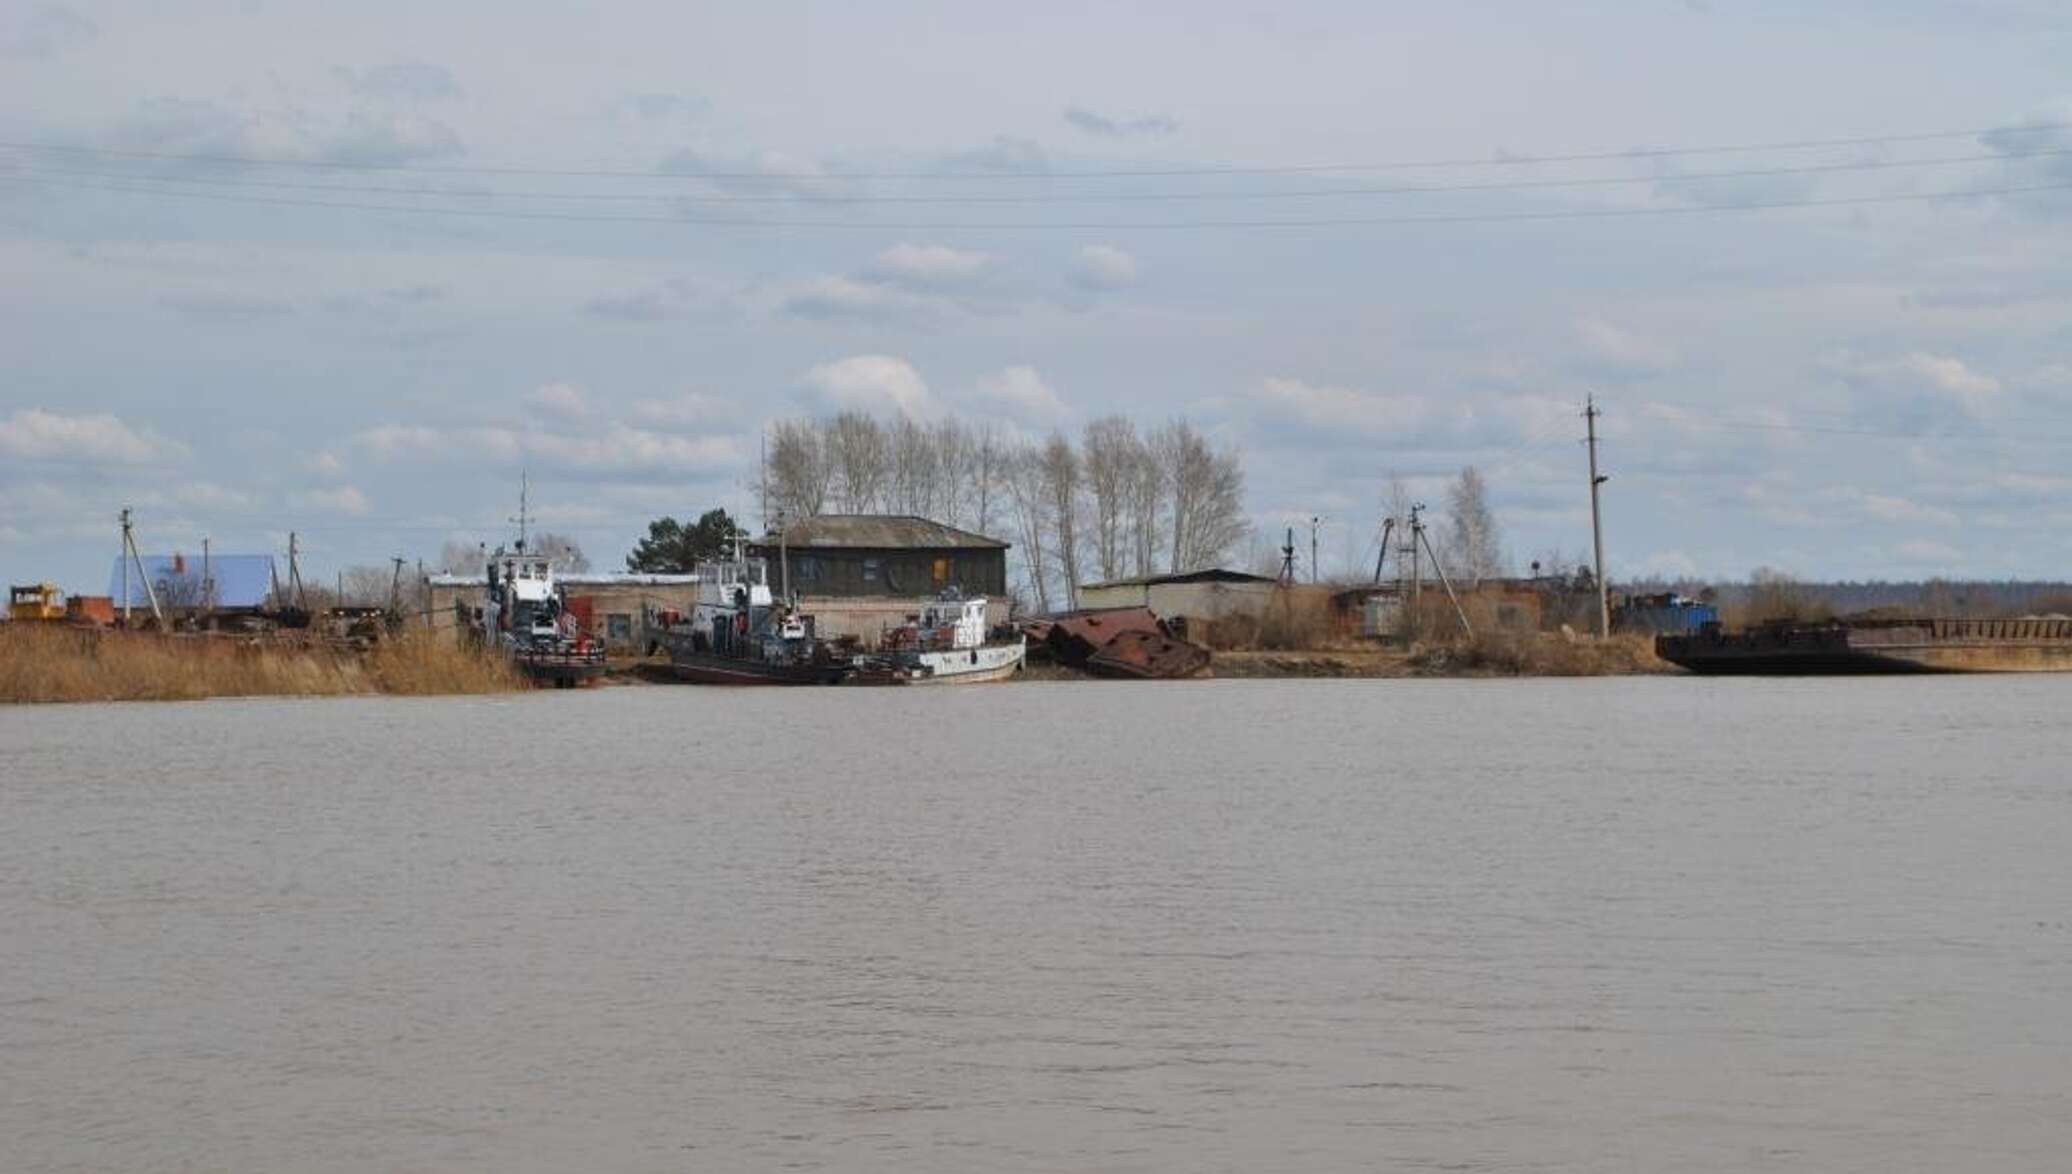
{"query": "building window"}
{"type": "Point", "coordinates": [942, 572]}
{"type": "Point", "coordinates": [618, 626]}
{"type": "Point", "coordinates": [872, 569]}
{"type": "Point", "coordinates": [806, 568]}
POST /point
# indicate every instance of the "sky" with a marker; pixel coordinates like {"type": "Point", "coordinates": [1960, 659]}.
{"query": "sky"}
{"type": "Point", "coordinates": [347, 270]}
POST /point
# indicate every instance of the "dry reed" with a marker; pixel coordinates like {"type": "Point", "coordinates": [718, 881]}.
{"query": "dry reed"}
{"type": "Point", "coordinates": [43, 663]}
{"type": "Point", "coordinates": [1540, 654]}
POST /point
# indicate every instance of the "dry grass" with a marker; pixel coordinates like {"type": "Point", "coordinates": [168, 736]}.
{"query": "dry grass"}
{"type": "Point", "coordinates": [1540, 654]}
{"type": "Point", "coordinates": [40, 663]}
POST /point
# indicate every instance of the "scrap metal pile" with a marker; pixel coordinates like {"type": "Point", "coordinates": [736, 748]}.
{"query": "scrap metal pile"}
{"type": "Point", "coordinates": [1117, 642]}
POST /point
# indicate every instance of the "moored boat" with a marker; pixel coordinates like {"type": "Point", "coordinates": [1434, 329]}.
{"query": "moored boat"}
{"type": "Point", "coordinates": [1855, 647]}
{"type": "Point", "coordinates": [945, 643]}
{"type": "Point", "coordinates": [738, 634]}
{"type": "Point", "coordinates": [525, 617]}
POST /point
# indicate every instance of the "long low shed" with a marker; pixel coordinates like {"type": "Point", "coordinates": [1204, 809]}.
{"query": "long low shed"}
{"type": "Point", "coordinates": [607, 604]}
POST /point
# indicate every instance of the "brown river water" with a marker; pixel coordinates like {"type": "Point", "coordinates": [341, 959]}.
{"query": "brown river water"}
{"type": "Point", "coordinates": [1643, 924]}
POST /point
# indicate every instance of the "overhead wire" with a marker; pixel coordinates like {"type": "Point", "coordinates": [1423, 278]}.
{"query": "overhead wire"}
{"type": "Point", "coordinates": [765, 176]}
{"type": "Point", "coordinates": [1063, 225]}
{"type": "Point", "coordinates": [246, 183]}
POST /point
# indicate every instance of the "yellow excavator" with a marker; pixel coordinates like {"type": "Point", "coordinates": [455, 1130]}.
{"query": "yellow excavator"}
{"type": "Point", "coordinates": [35, 601]}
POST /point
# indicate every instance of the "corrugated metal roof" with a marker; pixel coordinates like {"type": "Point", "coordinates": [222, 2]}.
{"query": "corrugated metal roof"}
{"type": "Point", "coordinates": [1211, 575]}
{"type": "Point", "coordinates": [880, 532]}
{"type": "Point", "coordinates": [241, 580]}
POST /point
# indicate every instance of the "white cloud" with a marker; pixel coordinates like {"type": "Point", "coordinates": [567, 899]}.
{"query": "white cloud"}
{"type": "Point", "coordinates": [845, 297]}
{"type": "Point", "coordinates": [1147, 126]}
{"type": "Point", "coordinates": [563, 401]}
{"type": "Point", "coordinates": [33, 434]}
{"type": "Point", "coordinates": [1103, 267]}
{"type": "Point", "coordinates": [618, 449]}
{"type": "Point", "coordinates": [1617, 349]}
{"type": "Point", "coordinates": [207, 495]}
{"type": "Point", "coordinates": [692, 407]}
{"type": "Point", "coordinates": [415, 80]}
{"type": "Point", "coordinates": [871, 383]}
{"type": "Point", "coordinates": [928, 266]}
{"type": "Point", "coordinates": [1342, 409]}
{"type": "Point", "coordinates": [345, 499]}
{"type": "Point", "coordinates": [364, 137]}
{"type": "Point", "coordinates": [43, 30]}
{"type": "Point", "coordinates": [324, 464]}
{"type": "Point", "coordinates": [1920, 377]}
{"type": "Point", "coordinates": [1022, 393]}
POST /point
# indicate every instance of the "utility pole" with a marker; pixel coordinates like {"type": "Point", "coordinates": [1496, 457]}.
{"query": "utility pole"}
{"type": "Point", "coordinates": [129, 548]}
{"type": "Point", "coordinates": [1416, 568]}
{"type": "Point", "coordinates": [1288, 559]}
{"type": "Point", "coordinates": [295, 574]}
{"type": "Point", "coordinates": [1314, 575]}
{"type": "Point", "coordinates": [1597, 480]}
{"type": "Point", "coordinates": [1418, 534]}
{"type": "Point", "coordinates": [208, 582]}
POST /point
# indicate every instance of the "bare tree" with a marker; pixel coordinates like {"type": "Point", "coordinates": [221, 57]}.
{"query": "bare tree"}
{"type": "Point", "coordinates": [1146, 490]}
{"type": "Point", "coordinates": [858, 449]}
{"type": "Point", "coordinates": [560, 549]}
{"type": "Point", "coordinates": [1112, 453]}
{"type": "Point", "coordinates": [915, 465]}
{"type": "Point", "coordinates": [1022, 477]}
{"type": "Point", "coordinates": [457, 557]}
{"type": "Point", "coordinates": [1207, 489]}
{"type": "Point", "coordinates": [953, 471]}
{"type": "Point", "coordinates": [799, 471]}
{"type": "Point", "coordinates": [1061, 491]}
{"type": "Point", "coordinates": [987, 467]}
{"type": "Point", "coordinates": [1475, 552]}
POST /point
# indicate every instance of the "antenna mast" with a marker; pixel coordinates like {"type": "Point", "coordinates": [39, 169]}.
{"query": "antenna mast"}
{"type": "Point", "coordinates": [524, 518]}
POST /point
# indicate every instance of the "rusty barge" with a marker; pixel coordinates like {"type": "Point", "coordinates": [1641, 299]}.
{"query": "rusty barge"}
{"type": "Point", "coordinates": [1856, 647]}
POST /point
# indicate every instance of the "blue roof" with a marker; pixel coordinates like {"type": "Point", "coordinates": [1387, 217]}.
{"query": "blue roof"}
{"type": "Point", "coordinates": [241, 580]}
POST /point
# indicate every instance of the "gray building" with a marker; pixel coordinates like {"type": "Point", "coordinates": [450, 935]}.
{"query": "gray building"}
{"type": "Point", "coordinates": [857, 574]}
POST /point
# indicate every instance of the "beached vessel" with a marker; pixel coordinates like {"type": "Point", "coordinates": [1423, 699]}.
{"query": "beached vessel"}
{"type": "Point", "coordinates": [525, 616]}
{"type": "Point", "coordinates": [739, 634]}
{"type": "Point", "coordinates": [946, 643]}
{"type": "Point", "coordinates": [1836, 647]}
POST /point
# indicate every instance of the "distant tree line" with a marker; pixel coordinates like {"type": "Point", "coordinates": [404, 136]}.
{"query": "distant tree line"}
{"type": "Point", "coordinates": [1112, 502]}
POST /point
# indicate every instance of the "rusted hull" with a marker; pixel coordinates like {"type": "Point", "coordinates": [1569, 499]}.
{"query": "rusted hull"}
{"type": "Point", "coordinates": [714, 670]}
{"type": "Point", "coordinates": [1877, 647]}
{"type": "Point", "coordinates": [1119, 642]}
{"type": "Point", "coordinates": [1148, 656]}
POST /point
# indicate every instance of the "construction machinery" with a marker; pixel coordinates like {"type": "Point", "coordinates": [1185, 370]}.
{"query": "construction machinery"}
{"type": "Point", "coordinates": [40, 602]}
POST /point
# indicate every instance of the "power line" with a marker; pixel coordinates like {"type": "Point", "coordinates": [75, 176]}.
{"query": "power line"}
{"type": "Point", "coordinates": [945, 226]}
{"type": "Point", "coordinates": [1142, 172]}
{"type": "Point", "coordinates": [1053, 197]}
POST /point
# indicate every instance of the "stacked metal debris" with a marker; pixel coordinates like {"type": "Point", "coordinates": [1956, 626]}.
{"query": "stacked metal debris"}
{"type": "Point", "coordinates": [1117, 642]}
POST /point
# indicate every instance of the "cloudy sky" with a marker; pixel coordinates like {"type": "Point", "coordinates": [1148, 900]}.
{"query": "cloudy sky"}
{"type": "Point", "coordinates": [347, 269]}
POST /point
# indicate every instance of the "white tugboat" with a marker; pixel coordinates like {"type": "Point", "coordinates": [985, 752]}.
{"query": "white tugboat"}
{"type": "Point", "coordinates": [947, 644]}
{"type": "Point", "coordinates": [740, 634]}
{"type": "Point", "coordinates": [526, 618]}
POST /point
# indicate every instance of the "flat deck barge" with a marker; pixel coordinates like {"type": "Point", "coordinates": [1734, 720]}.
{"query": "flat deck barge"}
{"type": "Point", "coordinates": [1838, 647]}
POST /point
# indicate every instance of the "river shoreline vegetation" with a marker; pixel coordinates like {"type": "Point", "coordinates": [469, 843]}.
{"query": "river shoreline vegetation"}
{"type": "Point", "coordinates": [48, 663]}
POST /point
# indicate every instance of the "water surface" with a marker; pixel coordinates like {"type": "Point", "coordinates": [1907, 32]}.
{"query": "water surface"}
{"type": "Point", "coordinates": [1246, 925]}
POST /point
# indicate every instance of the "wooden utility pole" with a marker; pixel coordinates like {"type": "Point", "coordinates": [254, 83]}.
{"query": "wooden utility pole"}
{"type": "Point", "coordinates": [1314, 576]}
{"type": "Point", "coordinates": [1597, 480]}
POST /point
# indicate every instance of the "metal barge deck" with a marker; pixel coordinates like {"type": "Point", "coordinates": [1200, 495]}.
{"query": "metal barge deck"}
{"type": "Point", "coordinates": [1854, 647]}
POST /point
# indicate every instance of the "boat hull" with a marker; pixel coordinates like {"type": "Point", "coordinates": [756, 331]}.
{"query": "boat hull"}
{"type": "Point", "coordinates": [972, 666]}
{"type": "Point", "coordinates": [1885, 647]}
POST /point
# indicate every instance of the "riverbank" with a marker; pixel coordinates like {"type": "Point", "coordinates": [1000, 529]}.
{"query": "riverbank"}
{"type": "Point", "coordinates": [1526, 655]}
{"type": "Point", "coordinates": [41, 663]}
